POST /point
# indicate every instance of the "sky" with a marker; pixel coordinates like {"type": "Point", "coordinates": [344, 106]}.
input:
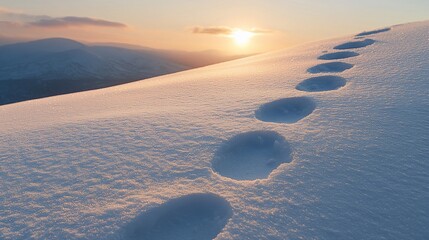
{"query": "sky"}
{"type": "Point", "coordinates": [204, 25]}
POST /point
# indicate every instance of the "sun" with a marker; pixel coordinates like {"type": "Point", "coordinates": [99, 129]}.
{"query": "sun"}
{"type": "Point", "coordinates": [241, 37]}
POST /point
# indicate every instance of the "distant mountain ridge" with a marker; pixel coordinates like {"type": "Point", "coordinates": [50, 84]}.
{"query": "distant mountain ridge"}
{"type": "Point", "coordinates": [55, 66]}
{"type": "Point", "coordinates": [59, 58]}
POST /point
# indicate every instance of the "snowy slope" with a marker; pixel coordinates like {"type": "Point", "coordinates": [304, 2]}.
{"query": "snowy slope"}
{"type": "Point", "coordinates": [278, 146]}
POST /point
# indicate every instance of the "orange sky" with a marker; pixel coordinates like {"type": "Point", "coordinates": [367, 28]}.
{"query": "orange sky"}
{"type": "Point", "coordinates": [169, 24]}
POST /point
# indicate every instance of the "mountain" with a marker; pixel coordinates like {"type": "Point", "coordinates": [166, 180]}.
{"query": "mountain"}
{"type": "Point", "coordinates": [187, 58]}
{"type": "Point", "coordinates": [198, 59]}
{"type": "Point", "coordinates": [328, 140]}
{"type": "Point", "coordinates": [55, 66]}
{"type": "Point", "coordinates": [5, 40]}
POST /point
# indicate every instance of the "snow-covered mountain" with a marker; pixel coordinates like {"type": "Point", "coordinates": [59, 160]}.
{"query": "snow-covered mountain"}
{"type": "Point", "coordinates": [329, 140]}
{"type": "Point", "coordinates": [54, 66]}
{"type": "Point", "coordinates": [192, 59]}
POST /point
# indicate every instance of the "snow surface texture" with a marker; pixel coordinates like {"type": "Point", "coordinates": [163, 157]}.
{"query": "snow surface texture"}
{"type": "Point", "coordinates": [107, 164]}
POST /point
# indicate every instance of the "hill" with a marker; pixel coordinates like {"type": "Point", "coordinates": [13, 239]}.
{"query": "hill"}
{"type": "Point", "coordinates": [56, 66]}
{"type": "Point", "coordinates": [328, 140]}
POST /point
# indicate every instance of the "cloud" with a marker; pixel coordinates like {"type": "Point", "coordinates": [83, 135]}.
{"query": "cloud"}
{"type": "Point", "coordinates": [4, 10]}
{"type": "Point", "coordinates": [18, 17]}
{"type": "Point", "coordinates": [226, 30]}
{"type": "Point", "coordinates": [261, 30]}
{"type": "Point", "coordinates": [71, 21]}
{"type": "Point", "coordinates": [212, 30]}
{"type": "Point", "coordinates": [9, 24]}
{"type": "Point", "coordinates": [29, 20]}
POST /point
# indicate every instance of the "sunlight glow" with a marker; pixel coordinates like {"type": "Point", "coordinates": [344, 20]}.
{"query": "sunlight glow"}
{"type": "Point", "coordinates": [241, 37]}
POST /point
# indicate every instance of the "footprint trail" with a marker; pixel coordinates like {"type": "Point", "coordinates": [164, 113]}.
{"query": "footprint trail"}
{"type": "Point", "coordinates": [330, 67]}
{"type": "Point", "coordinates": [251, 155]}
{"type": "Point", "coordinates": [338, 55]}
{"type": "Point", "coordinates": [286, 110]}
{"type": "Point", "coordinates": [196, 216]}
{"type": "Point", "coordinates": [322, 83]}
{"type": "Point", "coordinates": [355, 44]}
{"type": "Point", "coordinates": [373, 32]}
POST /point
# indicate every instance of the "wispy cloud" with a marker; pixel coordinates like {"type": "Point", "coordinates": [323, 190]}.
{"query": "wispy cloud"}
{"type": "Point", "coordinates": [222, 30]}
{"type": "Point", "coordinates": [71, 21]}
{"type": "Point", "coordinates": [9, 24]}
{"type": "Point", "coordinates": [212, 30]}
{"type": "Point", "coordinates": [29, 20]}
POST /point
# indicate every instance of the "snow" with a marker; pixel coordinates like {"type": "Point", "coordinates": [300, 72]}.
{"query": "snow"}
{"type": "Point", "coordinates": [322, 83]}
{"type": "Point", "coordinates": [338, 55]}
{"type": "Point", "coordinates": [251, 155]}
{"type": "Point", "coordinates": [330, 67]}
{"type": "Point", "coordinates": [286, 110]}
{"type": "Point", "coordinates": [106, 164]}
{"type": "Point", "coordinates": [373, 32]}
{"type": "Point", "coordinates": [195, 216]}
{"type": "Point", "coordinates": [355, 44]}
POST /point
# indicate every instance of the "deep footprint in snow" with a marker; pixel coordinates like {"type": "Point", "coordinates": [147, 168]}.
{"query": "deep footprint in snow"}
{"type": "Point", "coordinates": [330, 67]}
{"type": "Point", "coordinates": [196, 216]}
{"type": "Point", "coordinates": [355, 44]}
{"type": "Point", "coordinates": [338, 55]}
{"type": "Point", "coordinates": [373, 32]}
{"type": "Point", "coordinates": [251, 155]}
{"type": "Point", "coordinates": [286, 110]}
{"type": "Point", "coordinates": [322, 83]}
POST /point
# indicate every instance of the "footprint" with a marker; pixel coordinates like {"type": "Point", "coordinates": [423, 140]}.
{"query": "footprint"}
{"type": "Point", "coordinates": [373, 32]}
{"type": "Point", "coordinates": [338, 55]}
{"type": "Point", "coordinates": [330, 67]}
{"type": "Point", "coordinates": [286, 110]}
{"type": "Point", "coordinates": [195, 216]}
{"type": "Point", "coordinates": [355, 44]}
{"type": "Point", "coordinates": [251, 155]}
{"type": "Point", "coordinates": [322, 83]}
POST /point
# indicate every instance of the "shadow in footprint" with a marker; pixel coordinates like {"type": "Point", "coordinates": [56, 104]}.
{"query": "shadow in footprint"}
{"type": "Point", "coordinates": [338, 55]}
{"type": "Point", "coordinates": [373, 32]}
{"type": "Point", "coordinates": [251, 155]}
{"type": "Point", "coordinates": [286, 110]}
{"type": "Point", "coordinates": [322, 83]}
{"type": "Point", "coordinates": [330, 67]}
{"type": "Point", "coordinates": [195, 216]}
{"type": "Point", "coordinates": [355, 44]}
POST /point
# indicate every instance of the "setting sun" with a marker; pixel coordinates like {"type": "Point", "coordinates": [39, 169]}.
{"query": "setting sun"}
{"type": "Point", "coordinates": [241, 37]}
